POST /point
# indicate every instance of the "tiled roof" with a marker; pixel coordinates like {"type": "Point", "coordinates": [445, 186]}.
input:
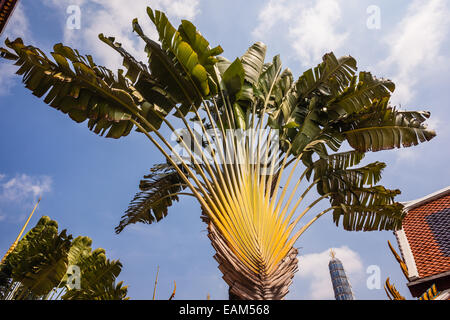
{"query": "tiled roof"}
{"type": "Point", "coordinates": [427, 229]}
{"type": "Point", "coordinates": [6, 9]}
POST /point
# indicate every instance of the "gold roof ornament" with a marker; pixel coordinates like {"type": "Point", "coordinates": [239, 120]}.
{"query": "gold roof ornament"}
{"type": "Point", "coordinates": [332, 254]}
{"type": "Point", "coordinates": [6, 10]}
{"type": "Point", "coordinates": [14, 245]}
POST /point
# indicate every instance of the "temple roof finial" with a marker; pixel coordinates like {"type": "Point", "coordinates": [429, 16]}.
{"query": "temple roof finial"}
{"type": "Point", "coordinates": [332, 253]}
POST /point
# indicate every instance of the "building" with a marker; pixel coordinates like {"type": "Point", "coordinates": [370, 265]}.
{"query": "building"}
{"type": "Point", "coordinates": [424, 243]}
{"type": "Point", "coordinates": [341, 285]}
{"type": "Point", "coordinates": [6, 10]}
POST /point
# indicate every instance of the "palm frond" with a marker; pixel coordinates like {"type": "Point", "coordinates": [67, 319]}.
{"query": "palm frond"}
{"type": "Point", "coordinates": [98, 278]}
{"type": "Point", "coordinates": [159, 190]}
{"type": "Point", "coordinates": [381, 127]}
{"type": "Point", "coordinates": [75, 85]}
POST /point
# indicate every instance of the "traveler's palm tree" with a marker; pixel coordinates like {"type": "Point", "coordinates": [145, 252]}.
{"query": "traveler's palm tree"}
{"type": "Point", "coordinates": [248, 128]}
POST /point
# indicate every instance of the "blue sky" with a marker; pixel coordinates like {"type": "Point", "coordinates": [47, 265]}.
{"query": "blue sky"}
{"type": "Point", "coordinates": [87, 181]}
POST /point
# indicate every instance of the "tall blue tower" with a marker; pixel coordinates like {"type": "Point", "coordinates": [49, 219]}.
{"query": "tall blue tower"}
{"type": "Point", "coordinates": [341, 286]}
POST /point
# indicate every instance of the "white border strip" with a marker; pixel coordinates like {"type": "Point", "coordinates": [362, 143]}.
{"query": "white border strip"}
{"type": "Point", "coordinates": [407, 254]}
{"type": "Point", "coordinates": [432, 196]}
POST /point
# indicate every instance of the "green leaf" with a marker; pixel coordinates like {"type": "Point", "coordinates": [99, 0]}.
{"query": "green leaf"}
{"type": "Point", "coordinates": [233, 78]}
{"type": "Point", "coordinates": [351, 191]}
{"type": "Point", "coordinates": [253, 61]}
{"type": "Point", "coordinates": [169, 74]}
{"type": "Point", "coordinates": [98, 277]}
{"type": "Point", "coordinates": [172, 40]}
{"type": "Point", "coordinates": [199, 44]}
{"type": "Point", "coordinates": [380, 127]}
{"type": "Point", "coordinates": [158, 191]}
{"type": "Point", "coordinates": [291, 125]}
{"type": "Point", "coordinates": [239, 116]}
{"type": "Point", "coordinates": [359, 95]}
{"type": "Point", "coordinates": [39, 262]}
{"type": "Point", "coordinates": [330, 73]}
{"type": "Point", "coordinates": [269, 78]}
{"type": "Point", "coordinates": [370, 218]}
{"type": "Point", "coordinates": [78, 87]}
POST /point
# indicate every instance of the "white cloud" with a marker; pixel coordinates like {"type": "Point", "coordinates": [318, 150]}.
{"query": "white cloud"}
{"type": "Point", "coordinates": [415, 45]}
{"type": "Point", "coordinates": [110, 18]}
{"type": "Point", "coordinates": [314, 33]}
{"type": "Point", "coordinates": [18, 26]}
{"type": "Point", "coordinates": [273, 12]}
{"type": "Point", "coordinates": [312, 26]}
{"type": "Point", "coordinates": [314, 268]}
{"type": "Point", "coordinates": [24, 189]}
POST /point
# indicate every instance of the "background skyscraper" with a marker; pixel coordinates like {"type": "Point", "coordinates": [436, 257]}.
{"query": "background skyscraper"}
{"type": "Point", "coordinates": [341, 285]}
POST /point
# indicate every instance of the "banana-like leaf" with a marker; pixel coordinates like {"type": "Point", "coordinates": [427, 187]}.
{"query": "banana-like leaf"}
{"type": "Point", "coordinates": [98, 275]}
{"type": "Point", "coordinates": [233, 78]}
{"type": "Point", "coordinates": [165, 67]}
{"type": "Point", "coordinates": [318, 79]}
{"type": "Point", "coordinates": [301, 112]}
{"type": "Point", "coordinates": [344, 160]}
{"type": "Point", "coordinates": [159, 190]}
{"type": "Point", "coordinates": [40, 260]}
{"type": "Point", "coordinates": [206, 55]}
{"type": "Point", "coordinates": [154, 98]}
{"type": "Point", "coordinates": [333, 179]}
{"type": "Point", "coordinates": [360, 204]}
{"type": "Point", "coordinates": [239, 116]}
{"type": "Point", "coordinates": [381, 127]}
{"type": "Point", "coordinates": [192, 62]}
{"type": "Point", "coordinates": [252, 64]}
{"type": "Point", "coordinates": [253, 61]}
{"type": "Point", "coordinates": [135, 69]}
{"type": "Point", "coordinates": [281, 90]}
{"type": "Point", "coordinates": [80, 249]}
{"type": "Point", "coordinates": [287, 113]}
{"type": "Point", "coordinates": [222, 64]}
{"type": "Point", "coordinates": [336, 161]}
{"type": "Point", "coordinates": [360, 93]}
{"type": "Point", "coordinates": [370, 218]}
{"type": "Point", "coordinates": [268, 79]}
{"type": "Point", "coordinates": [76, 86]}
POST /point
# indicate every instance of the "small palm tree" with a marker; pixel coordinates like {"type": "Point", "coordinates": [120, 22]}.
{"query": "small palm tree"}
{"type": "Point", "coordinates": [248, 128]}
{"type": "Point", "coordinates": [41, 267]}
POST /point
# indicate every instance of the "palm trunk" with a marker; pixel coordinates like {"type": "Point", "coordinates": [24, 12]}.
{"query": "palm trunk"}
{"type": "Point", "coordinates": [246, 284]}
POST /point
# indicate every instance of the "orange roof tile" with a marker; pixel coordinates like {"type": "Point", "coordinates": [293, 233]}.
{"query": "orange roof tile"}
{"type": "Point", "coordinates": [427, 229]}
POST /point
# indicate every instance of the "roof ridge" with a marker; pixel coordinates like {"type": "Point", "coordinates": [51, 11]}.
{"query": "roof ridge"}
{"type": "Point", "coordinates": [428, 198]}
